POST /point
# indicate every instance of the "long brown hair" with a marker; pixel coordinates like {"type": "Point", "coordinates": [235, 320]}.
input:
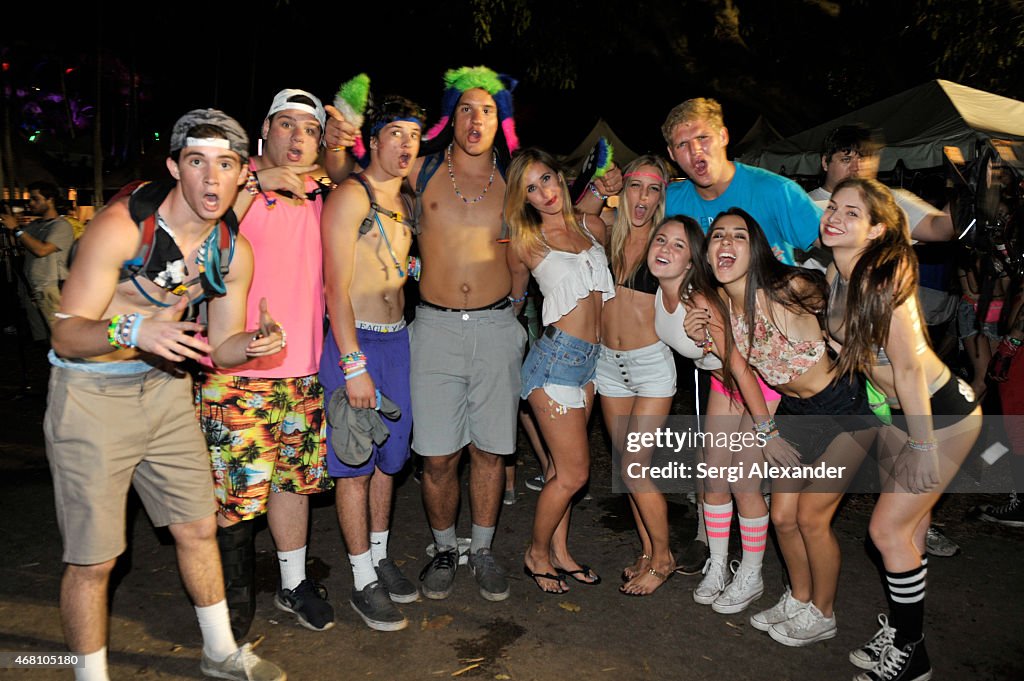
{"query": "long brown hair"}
{"type": "Point", "coordinates": [522, 218]}
{"type": "Point", "coordinates": [884, 277]}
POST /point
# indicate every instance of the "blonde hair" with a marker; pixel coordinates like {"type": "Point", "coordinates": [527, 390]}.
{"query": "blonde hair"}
{"type": "Point", "coordinates": [699, 108]}
{"type": "Point", "coordinates": [621, 226]}
{"type": "Point", "coordinates": [523, 219]}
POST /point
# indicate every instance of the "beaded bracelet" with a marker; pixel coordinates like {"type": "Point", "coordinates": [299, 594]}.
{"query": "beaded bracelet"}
{"type": "Point", "coordinates": [765, 426]}
{"type": "Point", "coordinates": [595, 192]}
{"type": "Point", "coordinates": [414, 266]}
{"type": "Point", "coordinates": [520, 299]}
{"type": "Point", "coordinates": [772, 434]}
{"type": "Point", "coordinates": [922, 445]}
{"type": "Point", "coordinates": [123, 330]}
{"type": "Point", "coordinates": [252, 183]}
{"type": "Point", "coordinates": [1014, 341]}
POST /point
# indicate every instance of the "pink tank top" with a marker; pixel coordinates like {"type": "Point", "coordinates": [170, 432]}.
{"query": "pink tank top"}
{"type": "Point", "coordinates": [288, 272]}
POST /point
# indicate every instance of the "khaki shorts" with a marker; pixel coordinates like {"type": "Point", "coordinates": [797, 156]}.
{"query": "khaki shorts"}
{"type": "Point", "coordinates": [108, 432]}
{"type": "Point", "coordinates": [465, 380]}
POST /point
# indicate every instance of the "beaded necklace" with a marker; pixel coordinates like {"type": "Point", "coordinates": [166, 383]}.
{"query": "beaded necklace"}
{"type": "Point", "coordinates": [490, 180]}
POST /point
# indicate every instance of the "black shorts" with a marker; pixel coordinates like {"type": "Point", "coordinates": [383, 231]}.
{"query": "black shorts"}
{"type": "Point", "coordinates": [810, 424]}
{"type": "Point", "coordinates": [951, 404]}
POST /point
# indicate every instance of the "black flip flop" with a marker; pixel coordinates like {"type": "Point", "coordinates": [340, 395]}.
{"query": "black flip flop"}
{"type": "Point", "coordinates": [560, 579]}
{"type": "Point", "coordinates": [584, 571]}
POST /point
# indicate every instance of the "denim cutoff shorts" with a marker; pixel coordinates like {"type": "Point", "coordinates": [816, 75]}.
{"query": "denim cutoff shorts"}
{"type": "Point", "coordinates": [562, 365]}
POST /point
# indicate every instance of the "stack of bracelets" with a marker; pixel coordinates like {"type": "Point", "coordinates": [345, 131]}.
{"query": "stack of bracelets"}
{"type": "Point", "coordinates": [353, 364]}
{"type": "Point", "coordinates": [922, 445]}
{"type": "Point", "coordinates": [707, 343]}
{"type": "Point", "coordinates": [123, 330]}
{"type": "Point", "coordinates": [768, 429]}
{"type": "Point", "coordinates": [414, 267]}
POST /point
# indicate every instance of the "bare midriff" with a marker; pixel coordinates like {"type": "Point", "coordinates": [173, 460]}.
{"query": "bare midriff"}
{"type": "Point", "coordinates": [627, 320]}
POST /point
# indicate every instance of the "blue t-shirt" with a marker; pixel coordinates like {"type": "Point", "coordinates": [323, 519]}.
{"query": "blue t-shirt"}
{"type": "Point", "coordinates": [786, 214]}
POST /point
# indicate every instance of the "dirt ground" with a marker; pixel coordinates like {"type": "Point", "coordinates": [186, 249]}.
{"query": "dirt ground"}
{"type": "Point", "coordinates": [590, 633]}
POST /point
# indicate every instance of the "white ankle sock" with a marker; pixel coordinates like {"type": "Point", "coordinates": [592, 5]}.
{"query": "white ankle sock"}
{"type": "Point", "coordinates": [362, 570]}
{"type": "Point", "coordinates": [215, 626]}
{"type": "Point", "coordinates": [378, 546]}
{"type": "Point", "coordinates": [293, 567]}
{"type": "Point", "coordinates": [445, 539]}
{"type": "Point", "coordinates": [94, 667]}
{"type": "Point", "coordinates": [481, 538]}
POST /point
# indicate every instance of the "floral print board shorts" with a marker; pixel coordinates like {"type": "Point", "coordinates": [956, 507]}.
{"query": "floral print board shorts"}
{"type": "Point", "coordinates": [264, 435]}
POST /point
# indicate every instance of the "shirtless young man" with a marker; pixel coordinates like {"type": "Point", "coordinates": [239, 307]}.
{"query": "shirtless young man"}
{"type": "Point", "coordinates": [468, 346]}
{"type": "Point", "coordinates": [119, 410]}
{"type": "Point", "coordinates": [366, 244]}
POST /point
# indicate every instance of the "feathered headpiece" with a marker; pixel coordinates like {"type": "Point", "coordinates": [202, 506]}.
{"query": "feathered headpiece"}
{"type": "Point", "coordinates": [457, 81]}
{"type": "Point", "coordinates": [351, 100]}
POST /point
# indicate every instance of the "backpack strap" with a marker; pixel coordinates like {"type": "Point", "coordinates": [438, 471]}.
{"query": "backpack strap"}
{"type": "Point", "coordinates": [375, 208]}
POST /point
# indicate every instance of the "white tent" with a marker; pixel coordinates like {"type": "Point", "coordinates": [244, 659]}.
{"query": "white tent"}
{"type": "Point", "coordinates": [621, 154]}
{"type": "Point", "coordinates": [917, 124]}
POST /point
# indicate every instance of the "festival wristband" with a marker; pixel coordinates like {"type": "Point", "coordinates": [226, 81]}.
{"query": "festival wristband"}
{"type": "Point", "coordinates": [252, 183]}
{"type": "Point", "coordinates": [765, 426]}
{"type": "Point", "coordinates": [595, 192]}
{"type": "Point", "coordinates": [922, 445]}
{"type": "Point", "coordinates": [520, 299]}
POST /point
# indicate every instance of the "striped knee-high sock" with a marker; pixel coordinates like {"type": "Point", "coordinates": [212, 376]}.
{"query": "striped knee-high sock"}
{"type": "Point", "coordinates": [718, 518]}
{"type": "Point", "coordinates": [905, 592]}
{"type": "Point", "coordinates": [754, 537]}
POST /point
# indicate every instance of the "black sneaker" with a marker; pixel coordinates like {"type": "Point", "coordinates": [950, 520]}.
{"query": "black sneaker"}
{"type": "Point", "coordinates": [238, 562]}
{"type": "Point", "coordinates": [398, 586]}
{"type": "Point", "coordinates": [438, 576]}
{"type": "Point", "coordinates": [375, 607]}
{"type": "Point", "coordinates": [692, 559]}
{"type": "Point", "coordinates": [906, 663]}
{"type": "Point", "coordinates": [867, 656]}
{"type": "Point", "coordinates": [308, 602]}
{"type": "Point", "coordinates": [1011, 513]}
{"type": "Point", "coordinates": [491, 579]}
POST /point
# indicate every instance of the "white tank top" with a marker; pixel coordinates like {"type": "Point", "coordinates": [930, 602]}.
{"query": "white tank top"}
{"type": "Point", "coordinates": [669, 327]}
{"type": "Point", "coordinates": [564, 278]}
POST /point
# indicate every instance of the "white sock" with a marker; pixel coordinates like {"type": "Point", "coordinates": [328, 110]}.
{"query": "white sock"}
{"type": "Point", "coordinates": [362, 570]}
{"type": "Point", "coordinates": [480, 538]}
{"type": "Point", "coordinates": [94, 667]}
{"type": "Point", "coordinates": [718, 519]}
{"type": "Point", "coordinates": [378, 546]}
{"type": "Point", "coordinates": [754, 537]}
{"type": "Point", "coordinates": [215, 626]}
{"type": "Point", "coordinates": [702, 530]}
{"type": "Point", "coordinates": [293, 567]}
{"type": "Point", "coordinates": [445, 539]}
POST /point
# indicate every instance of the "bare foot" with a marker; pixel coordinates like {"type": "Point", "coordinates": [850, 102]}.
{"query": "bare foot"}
{"type": "Point", "coordinates": [642, 564]}
{"type": "Point", "coordinates": [648, 582]}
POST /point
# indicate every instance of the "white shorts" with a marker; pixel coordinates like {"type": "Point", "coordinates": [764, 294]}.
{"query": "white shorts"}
{"type": "Point", "coordinates": [645, 372]}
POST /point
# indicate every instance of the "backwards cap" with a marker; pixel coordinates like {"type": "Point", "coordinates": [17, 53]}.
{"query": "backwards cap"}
{"type": "Point", "coordinates": [282, 102]}
{"type": "Point", "coordinates": [457, 81]}
{"type": "Point", "coordinates": [234, 135]}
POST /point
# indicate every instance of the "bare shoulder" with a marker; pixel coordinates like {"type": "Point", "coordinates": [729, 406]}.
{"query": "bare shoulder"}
{"type": "Point", "coordinates": [112, 230]}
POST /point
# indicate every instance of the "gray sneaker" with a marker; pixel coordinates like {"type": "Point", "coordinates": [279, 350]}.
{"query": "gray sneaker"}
{"type": "Point", "coordinates": [398, 586]}
{"type": "Point", "coordinates": [375, 607]}
{"type": "Point", "coordinates": [242, 665]}
{"type": "Point", "coordinates": [438, 576]}
{"type": "Point", "coordinates": [938, 544]}
{"type": "Point", "coordinates": [491, 579]}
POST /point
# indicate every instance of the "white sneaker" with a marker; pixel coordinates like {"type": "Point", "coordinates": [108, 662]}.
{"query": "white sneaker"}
{"type": "Point", "coordinates": [716, 576]}
{"type": "Point", "coordinates": [786, 609]}
{"type": "Point", "coordinates": [242, 665]}
{"type": "Point", "coordinates": [809, 626]}
{"type": "Point", "coordinates": [746, 587]}
{"type": "Point", "coordinates": [868, 655]}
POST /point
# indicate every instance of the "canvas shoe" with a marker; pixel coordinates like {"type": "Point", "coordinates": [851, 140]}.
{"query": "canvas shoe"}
{"type": "Point", "coordinates": [786, 609]}
{"type": "Point", "coordinates": [716, 576]}
{"type": "Point", "coordinates": [438, 576]}
{"type": "Point", "coordinates": [1011, 514]}
{"type": "Point", "coordinates": [373, 604]}
{"type": "Point", "coordinates": [907, 663]}
{"type": "Point", "coordinates": [308, 602]}
{"type": "Point", "coordinates": [938, 544]}
{"type": "Point", "coordinates": [491, 579]}
{"type": "Point", "coordinates": [242, 665]}
{"type": "Point", "coordinates": [867, 656]}
{"type": "Point", "coordinates": [745, 588]}
{"type": "Point", "coordinates": [400, 589]}
{"type": "Point", "coordinates": [536, 483]}
{"type": "Point", "coordinates": [809, 626]}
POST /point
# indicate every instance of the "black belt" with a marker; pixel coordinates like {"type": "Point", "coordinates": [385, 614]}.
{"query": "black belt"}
{"type": "Point", "coordinates": [550, 331]}
{"type": "Point", "coordinates": [499, 305]}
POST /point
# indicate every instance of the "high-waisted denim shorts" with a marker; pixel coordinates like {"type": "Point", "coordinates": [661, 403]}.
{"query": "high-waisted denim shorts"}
{"type": "Point", "coordinates": [562, 365]}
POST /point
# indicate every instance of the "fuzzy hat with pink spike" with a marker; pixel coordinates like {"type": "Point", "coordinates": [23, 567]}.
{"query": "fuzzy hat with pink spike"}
{"type": "Point", "coordinates": [457, 81]}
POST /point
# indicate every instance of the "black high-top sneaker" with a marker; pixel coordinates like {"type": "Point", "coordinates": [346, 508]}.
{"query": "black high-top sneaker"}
{"type": "Point", "coordinates": [1010, 513]}
{"type": "Point", "coordinates": [238, 560]}
{"type": "Point", "coordinates": [908, 662]}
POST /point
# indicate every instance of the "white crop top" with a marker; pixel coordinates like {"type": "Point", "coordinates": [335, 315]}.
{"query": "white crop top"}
{"type": "Point", "coordinates": [564, 278]}
{"type": "Point", "coordinates": [669, 327]}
